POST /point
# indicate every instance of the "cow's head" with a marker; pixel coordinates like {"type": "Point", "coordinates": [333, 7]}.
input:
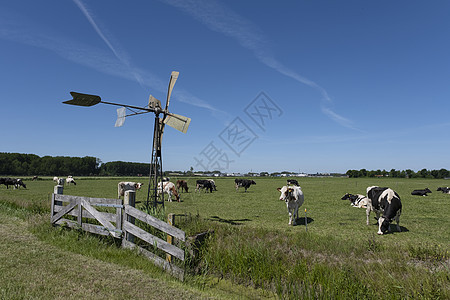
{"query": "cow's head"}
{"type": "Point", "coordinates": [427, 190]}
{"type": "Point", "coordinates": [253, 182]}
{"type": "Point", "coordinates": [175, 193]}
{"type": "Point", "coordinates": [20, 182]}
{"type": "Point", "coordinates": [138, 185]}
{"type": "Point", "coordinates": [383, 225]}
{"type": "Point", "coordinates": [286, 193]}
{"type": "Point", "coordinates": [346, 196]}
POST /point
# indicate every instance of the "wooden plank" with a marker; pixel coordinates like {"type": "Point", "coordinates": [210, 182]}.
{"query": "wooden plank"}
{"type": "Point", "coordinates": [153, 240]}
{"type": "Point", "coordinates": [170, 221]}
{"type": "Point", "coordinates": [99, 217]}
{"type": "Point", "coordinates": [170, 268]}
{"type": "Point", "coordinates": [119, 218]}
{"type": "Point", "coordinates": [92, 201]}
{"type": "Point", "coordinates": [158, 224]}
{"type": "Point", "coordinates": [65, 210]}
{"type": "Point", "coordinates": [80, 215]}
{"type": "Point", "coordinates": [52, 206]}
{"type": "Point", "coordinates": [96, 229]}
{"type": "Point", "coordinates": [108, 216]}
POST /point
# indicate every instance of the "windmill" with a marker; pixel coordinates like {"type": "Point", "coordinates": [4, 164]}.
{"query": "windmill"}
{"type": "Point", "coordinates": [178, 122]}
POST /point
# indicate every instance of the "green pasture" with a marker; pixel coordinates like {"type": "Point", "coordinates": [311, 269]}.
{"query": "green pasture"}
{"type": "Point", "coordinates": [335, 255]}
{"type": "Point", "coordinates": [424, 219]}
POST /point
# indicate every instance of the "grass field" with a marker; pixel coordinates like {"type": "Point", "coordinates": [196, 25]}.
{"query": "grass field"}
{"type": "Point", "coordinates": [253, 245]}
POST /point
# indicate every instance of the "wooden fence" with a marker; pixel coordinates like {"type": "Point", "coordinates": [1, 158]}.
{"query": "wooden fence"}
{"type": "Point", "coordinates": [120, 224]}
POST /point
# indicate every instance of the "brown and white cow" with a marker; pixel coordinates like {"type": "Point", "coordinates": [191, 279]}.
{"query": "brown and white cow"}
{"type": "Point", "coordinates": [124, 186]}
{"type": "Point", "coordinates": [170, 189]}
{"type": "Point", "coordinates": [293, 196]}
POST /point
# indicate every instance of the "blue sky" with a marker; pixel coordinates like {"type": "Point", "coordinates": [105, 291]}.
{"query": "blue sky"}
{"type": "Point", "coordinates": [304, 86]}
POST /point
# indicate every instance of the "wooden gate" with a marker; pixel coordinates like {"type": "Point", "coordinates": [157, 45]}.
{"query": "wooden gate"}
{"type": "Point", "coordinates": [120, 224]}
{"type": "Point", "coordinates": [83, 208]}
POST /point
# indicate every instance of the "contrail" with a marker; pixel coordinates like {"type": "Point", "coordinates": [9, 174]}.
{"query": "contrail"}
{"type": "Point", "coordinates": [221, 19]}
{"type": "Point", "coordinates": [120, 56]}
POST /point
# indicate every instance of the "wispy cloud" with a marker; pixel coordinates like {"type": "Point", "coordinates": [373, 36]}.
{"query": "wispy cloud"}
{"type": "Point", "coordinates": [115, 62]}
{"type": "Point", "coordinates": [220, 18]}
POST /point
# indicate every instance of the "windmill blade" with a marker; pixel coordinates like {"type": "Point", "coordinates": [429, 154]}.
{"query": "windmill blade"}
{"type": "Point", "coordinates": [121, 113]}
{"type": "Point", "coordinates": [154, 103]}
{"type": "Point", "coordinates": [83, 99]}
{"type": "Point", "coordinates": [178, 122]}
{"type": "Point", "coordinates": [173, 79]}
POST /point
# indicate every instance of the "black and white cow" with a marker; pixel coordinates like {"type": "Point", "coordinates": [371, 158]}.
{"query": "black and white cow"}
{"type": "Point", "coordinates": [245, 183]}
{"type": "Point", "coordinates": [16, 182]}
{"type": "Point", "coordinates": [387, 202]}
{"type": "Point", "coordinates": [292, 182]}
{"type": "Point", "coordinates": [293, 197]}
{"type": "Point", "coordinates": [445, 190]}
{"type": "Point", "coordinates": [357, 200]}
{"type": "Point", "coordinates": [204, 184]}
{"type": "Point", "coordinates": [421, 192]}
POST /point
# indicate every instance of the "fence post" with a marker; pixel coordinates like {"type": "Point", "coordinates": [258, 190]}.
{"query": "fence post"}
{"type": "Point", "coordinates": [58, 189]}
{"type": "Point", "coordinates": [129, 199]}
{"type": "Point", "coordinates": [170, 221]}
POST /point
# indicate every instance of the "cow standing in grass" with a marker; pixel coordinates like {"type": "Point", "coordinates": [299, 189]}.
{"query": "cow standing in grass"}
{"type": "Point", "coordinates": [168, 188]}
{"type": "Point", "coordinates": [204, 184]}
{"type": "Point", "coordinates": [245, 183]}
{"type": "Point", "coordinates": [182, 184]}
{"type": "Point", "coordinates": [387, 202]}
{"type": "Point", "coordinates": [293, 197]}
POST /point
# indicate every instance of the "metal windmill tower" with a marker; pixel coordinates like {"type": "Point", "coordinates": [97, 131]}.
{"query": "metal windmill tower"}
{"type": "Point", "coordinates": [178, 122]}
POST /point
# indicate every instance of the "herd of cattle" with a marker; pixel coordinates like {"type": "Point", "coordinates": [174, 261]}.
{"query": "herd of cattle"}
{"type": "Point", "coordinates": [383, 201]}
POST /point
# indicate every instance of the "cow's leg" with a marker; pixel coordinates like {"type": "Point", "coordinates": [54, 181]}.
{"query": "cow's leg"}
{"type": "Point", "coordinates": [290, 217]}
{"type": "Point", "coordinates": [295, 215]}
{"type": "Point", "coordinates": [368, 209]}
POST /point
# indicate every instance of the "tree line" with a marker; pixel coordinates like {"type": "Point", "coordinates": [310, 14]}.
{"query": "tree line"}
{"type": "Point", "coordinates": [424, 173]}
{"type": "Point", "coordinates": [18, 164]}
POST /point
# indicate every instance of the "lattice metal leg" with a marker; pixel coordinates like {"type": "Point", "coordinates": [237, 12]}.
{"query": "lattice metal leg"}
{"type": "Point", "coordinates": [154, 199]}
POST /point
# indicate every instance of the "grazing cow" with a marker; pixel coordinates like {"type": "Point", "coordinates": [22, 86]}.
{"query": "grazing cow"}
{"type": "Point", "coordinates": [183, 185]}
{"type": "Point", "coordinates": [386, 201]}
{"type": "Point", "coordinates": [170, 189]}
{"type": "Point", "coordinates": [245, 183]}
{"type": "Point", "coordinates": [122, 187]}
{"type": "Point", "coordinates": [445, 190]}
{"type": "Point", "coordinates": [204, 183]}
{"type": "Point", "coordinates": [357, 200]}
{"type": "Point", "coordinates": [70, 180]}
{"type": "Point", "coordinates": [420, 192]}
{"type": "Point", "coordinates": [292, 182]}
{"type": "Point", "coordinates": [18, 183]}
{"type": "Point", "coordinates": [293, 196]}
{"type": "Point", "coordinates": [213, 184]}
{"type": "Point", "coordinates": [12, 181]}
